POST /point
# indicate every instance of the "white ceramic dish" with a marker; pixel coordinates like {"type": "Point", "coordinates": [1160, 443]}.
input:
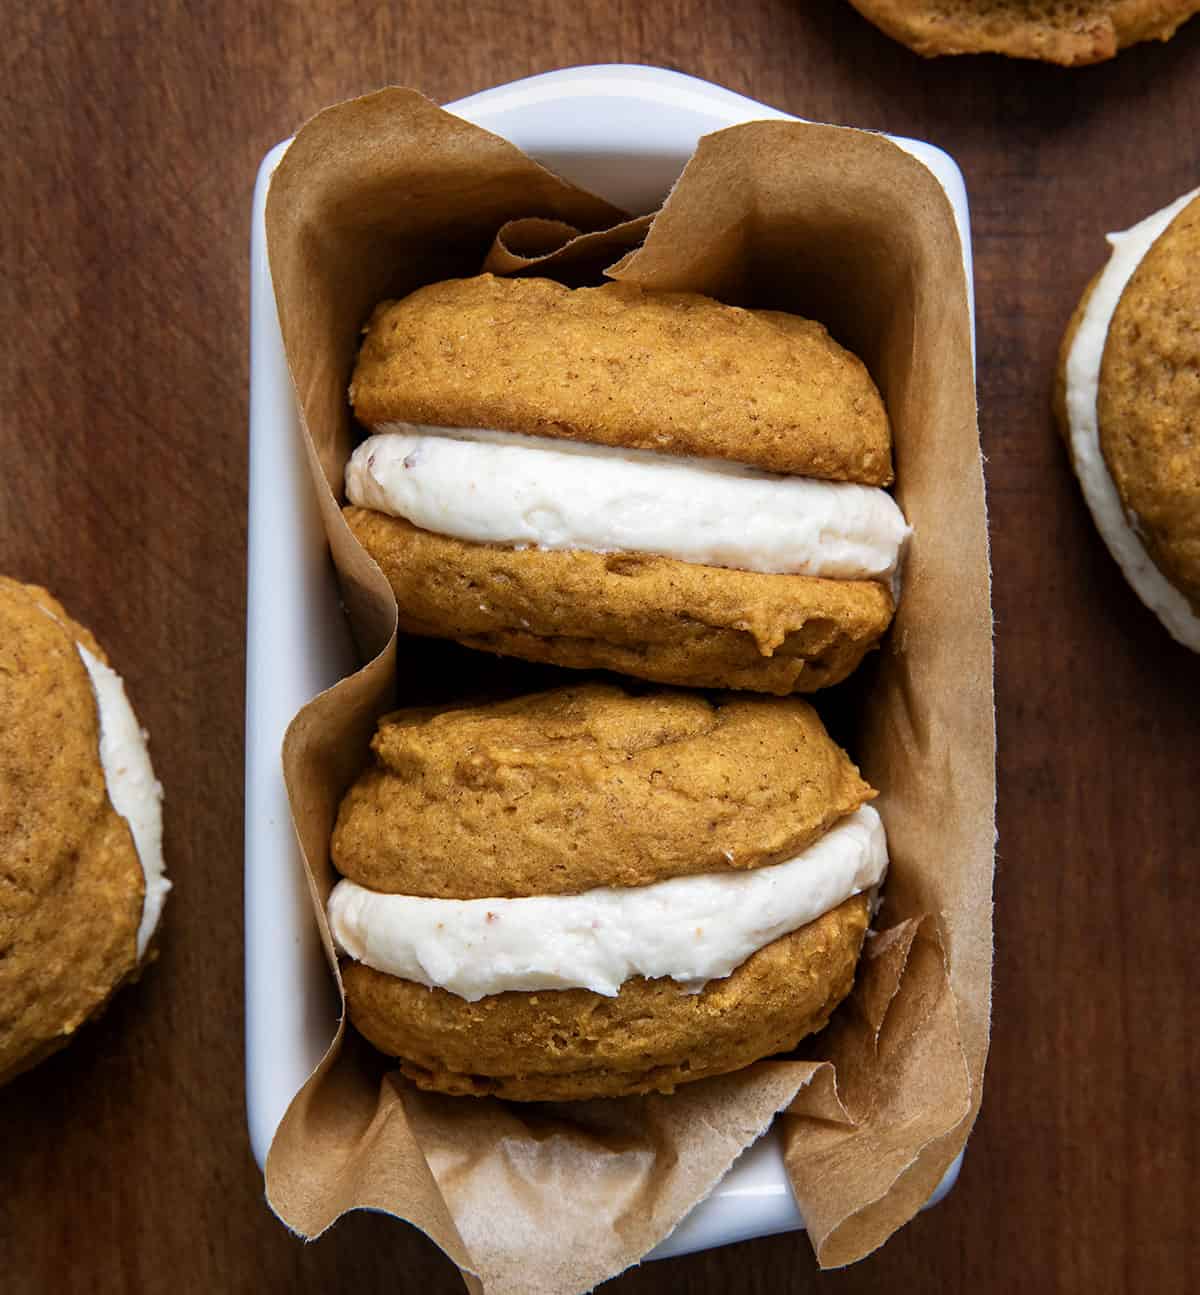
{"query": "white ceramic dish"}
{"type": "Point", "coordinates": [624, 132]}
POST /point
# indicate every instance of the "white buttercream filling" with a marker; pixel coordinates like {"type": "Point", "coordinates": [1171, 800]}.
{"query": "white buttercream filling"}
{"type": "Point", "coordinates": [503, 488]}
{"type": "Point", "coordinates": [1116, 526]}
{"type": "Point", "coordinates": [132, 787]}
{"type": "Point", "coordinates": [692, 929]}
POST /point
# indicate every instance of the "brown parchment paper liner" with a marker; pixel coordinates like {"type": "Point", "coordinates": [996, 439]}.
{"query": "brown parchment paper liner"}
{"type": "Point", "coordinates": [549, 247]}
{"type": "Point", "coordinates": [383, 193]}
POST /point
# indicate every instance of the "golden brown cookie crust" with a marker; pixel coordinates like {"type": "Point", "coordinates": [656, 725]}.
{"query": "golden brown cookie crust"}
{"type": "Point", "coordinates": [71, 885]}
{"type": "Point", "coordinates": [651, 617]}
{"type": "Point", "coordinates": [673, 372]}
{"type": "Point", "coordinates": [561, 791]}
{"type": "Point", "coordinates": [1149, 401]}
{"type": "Point", "coordinates": [572, 1044]}
{"type": "Point", "coordinates": [1068, 32]}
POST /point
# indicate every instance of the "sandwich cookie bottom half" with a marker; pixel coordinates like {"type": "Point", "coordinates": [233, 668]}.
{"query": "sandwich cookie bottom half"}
{"type": "Point", "coordinates": [82, 884]}
{"type": "Point", "coordinates": [653, 483]}
{"type": "Point", "coordinates": [1127, 398]}
{"type": "Point", "coordinates": [587, 893]}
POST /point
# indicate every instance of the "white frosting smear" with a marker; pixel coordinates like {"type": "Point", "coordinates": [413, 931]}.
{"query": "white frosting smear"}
{"type": "Point", "coordinates": [503, 488]}
{"type": "Point", "coordinates": [1083, 383]}
{"type": "Point", "coordinates": [132, 787]}
{"type": "Point", "coordinates": [692, 929]}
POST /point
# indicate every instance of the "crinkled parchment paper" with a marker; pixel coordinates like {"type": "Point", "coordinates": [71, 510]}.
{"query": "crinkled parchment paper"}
{"type": "Point", "coordinates": [381, 194]}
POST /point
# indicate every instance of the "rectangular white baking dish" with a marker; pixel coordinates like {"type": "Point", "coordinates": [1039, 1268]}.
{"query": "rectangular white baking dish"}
{"type": "Point", "coordinates": [624, 132]}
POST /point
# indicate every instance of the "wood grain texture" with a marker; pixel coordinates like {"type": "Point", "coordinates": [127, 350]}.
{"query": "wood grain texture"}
{"type": "Point", "coordinates": [132, 133]}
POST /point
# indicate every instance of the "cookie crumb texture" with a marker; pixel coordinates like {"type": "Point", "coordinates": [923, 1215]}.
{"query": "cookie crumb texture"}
{"type": "Point", "coordinates": [572, 1044]}
{"type": "Point", "coordinates": [70, 883]}
{"type": "Point", "coordinates": [575, 788]}
{"type": "Point", "coordinates": [1149, 402]}
{"type": "Point", "coordinates": [650, 617]}
{"type": "Point", "coordinates": [1067, 32]}
{"type": "Point", "coordinates": [670, 371]}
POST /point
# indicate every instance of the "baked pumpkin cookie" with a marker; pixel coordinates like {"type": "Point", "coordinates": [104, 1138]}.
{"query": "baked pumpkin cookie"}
{"type": "Point", "coordinates": [623, 367]}
{"type": "Point", "coordinates": [81, 881]}
{"type": "Point", "coordinates": [1128, 403]}
{"type": "Point", "coordinates": [651, 617]}
{"type": "Point", "coordinates": [587, 893]}
{"type": "Point", "coordinates": [1068, 32]}
{"type": "Point", "coordinates": [653, 483]}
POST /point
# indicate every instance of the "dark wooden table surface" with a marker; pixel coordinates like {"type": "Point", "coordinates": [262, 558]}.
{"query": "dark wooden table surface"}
{"type": "Point", "coordinates": [131, 134]}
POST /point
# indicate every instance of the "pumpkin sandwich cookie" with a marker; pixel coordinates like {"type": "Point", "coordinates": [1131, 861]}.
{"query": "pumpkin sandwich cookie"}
{"type": "Point", "coordinates": [652, 483]}
{"type": "Point", "coordinates": [81, 870]}
{"type": "Point", "coordinates": [586, 893]}
{"type": "Point", "coordinates": [1128, 401]}
{"type": "Point", "coordinates": [1067, 32]}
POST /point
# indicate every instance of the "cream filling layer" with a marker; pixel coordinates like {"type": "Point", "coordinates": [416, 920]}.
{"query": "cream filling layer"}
{"type": "Point", "coordinates": [135, 792]}
{"type": "Point", "coordinates": [528, 491]}
{"type": "Point", "coordinates": [692, 929]}
{"type": "Point", "coordinates": [1117, 527]}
